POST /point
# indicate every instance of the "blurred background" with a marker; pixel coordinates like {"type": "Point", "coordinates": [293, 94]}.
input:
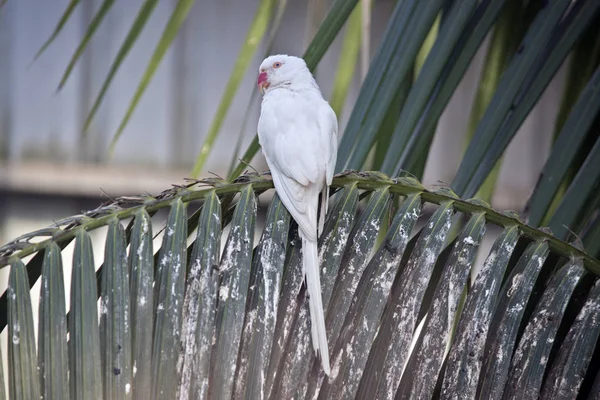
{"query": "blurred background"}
{"type": "Point", "coordinates": [50, 169]}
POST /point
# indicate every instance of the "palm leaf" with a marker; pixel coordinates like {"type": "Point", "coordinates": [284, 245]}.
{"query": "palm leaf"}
{"type": "Point", "coordinates": [565, 376]}
{"type": "Point", "coordinates": [261, 310]}
{"type": "Point", "coordinates": [503, 45]}
{"type": "Point", "coordinates": [168, 303]}
{"type": "Point", "coordinates": [59, 26]}
{"type": "Point", "coordinates": [535, 345]}
{"type": "Point", "coordinates": [510, 307]}
{"type": "Point", "coordinates": [138, 24]}
{"type": "Point", "coordinates": [253, 302]}
{"type": "Point", "coordinates": [85, 376]}
{"type": "Point", "coordinates": [94, 24]}
{"type": "Point", "coordinates": [543, 50]}
{"type": "Point", "coordinates": [453, 26]}
{"type": "Point", "coordinates": [140, 264]}
{"type": "Point", "coordinates": [390, 348]}
{"type": "Point", "coordinates": [23, 381]}
{"type": "Point", "coordinates": [568, 145]}
{"type": "Point", "coordinates": [254, 37]}
{"type": "Point", "coordinates": [581, 197]}
{"type": "Point", "coordinates": [347, 62]}
{"type": "Point", "coordinates": [462, 369]}
{"type": "Point", "coordinates": [385, 76]}
{"type": "Point", "coordinates": [178, 16]}
{"type": "Point", "coordinates": [298, 358]}
{"type": "Point", "coordinates": [232, 292]}
{"type": "Point", "coordinates": [427, 358]}
{"type": "Point", "coordinates": [115, 328]}
{"type": "Point", "coordinates": [52, 340]}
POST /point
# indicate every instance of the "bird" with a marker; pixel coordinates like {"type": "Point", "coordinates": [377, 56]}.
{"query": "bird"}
{"type": "Point", "coordinates": [297, 131]}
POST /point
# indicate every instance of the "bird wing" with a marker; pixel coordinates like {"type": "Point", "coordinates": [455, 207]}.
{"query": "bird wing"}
{"type": "Point", "coordinates": [293, 142]}
{"type": "Point", "coordinates": [329, 125]}
{"type": "Point", "coordinates": [329, 128]}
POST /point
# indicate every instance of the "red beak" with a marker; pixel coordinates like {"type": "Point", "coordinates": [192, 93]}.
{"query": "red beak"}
{"type": "Point", "coordinates": [262, 80]}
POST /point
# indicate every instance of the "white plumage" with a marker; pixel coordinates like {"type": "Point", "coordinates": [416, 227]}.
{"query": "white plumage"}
{"type": "Point", "coordinates": [298, 134]}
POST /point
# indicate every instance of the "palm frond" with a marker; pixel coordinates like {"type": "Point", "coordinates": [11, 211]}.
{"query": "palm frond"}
{"type": "Point", "coordinates": [141, 18]}
{"type": "Point", "coordinates": [94, 24]}
{"type": "Point", "coordinates": [177, 18]}
{"type": "Point", "coordinates": [581, 198]}
{"type": "Point", "coordinates": [568, 145]}
{"type": "Point", "coordinates": [141, 281]}
{"type": "Point", "coordinates": [526, 318]}
{"type": "Point", "coordinates": [453, 26]}
{"type": "Point", "coordinates": [23, 381]}
{"type": "Point", "coordinates": [169, 290]}
{"type": "Point", "coordinates": [347, 62]}
{"type": "Point", "coordinates": [505, 39]}
{"type": "Point", "coordinates": [385, 75]}
{"type": "Point", "coordinates": [85, 373]}
{"type": "Point", "coordinates": [52, 348]}
{"type": "Point", "coordinates": [115, 331]}
{"type": "Point", "coordinates": [59, 26]}
{"type": "Point", "coordinates": [257, 30]}
{"type": "Point", "coordinates": [547, 43]}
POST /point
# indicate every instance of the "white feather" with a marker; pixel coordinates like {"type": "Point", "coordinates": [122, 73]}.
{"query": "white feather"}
{"type": "Point", "coordinates": [298, 134]}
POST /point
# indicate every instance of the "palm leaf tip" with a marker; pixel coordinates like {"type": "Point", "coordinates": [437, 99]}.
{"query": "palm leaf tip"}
{"type": "Point", "coordinates": [61, 23]}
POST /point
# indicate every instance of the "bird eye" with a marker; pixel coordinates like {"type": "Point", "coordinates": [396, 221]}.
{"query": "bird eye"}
{"type": "Point", "coordinates": [277, 65]}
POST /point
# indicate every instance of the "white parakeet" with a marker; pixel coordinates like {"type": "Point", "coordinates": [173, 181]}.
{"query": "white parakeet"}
{"type": "Point", "coordinates": [298, 134]}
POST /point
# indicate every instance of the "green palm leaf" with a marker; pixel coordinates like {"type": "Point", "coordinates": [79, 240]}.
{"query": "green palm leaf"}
{"type": "Point", "coordinates": [170, 32]}
{"type": "Point", "coordinates": [544, 48]}
{"type": "Point", "coordinates": [59, 26]}
{"type": "Point", "coordinates": [115, 326]}
{"type": "Point", "coordinates": [138, 24]}
{"type": "Point", "coordinates": [168, 303]}
{"type": "Point", "coordinates": [347, 62]}
{"type": "Point", "coordinates": [508, 32]}
{"type": "Point", "coordinates": [85, 374]}
{"type": "Point", "coordinates": [568, 145]}
{"type": "Point", "coordinates": [452, 27]}
{"type": "Point", "coordinates": [94, 24]}
{"type": "Point", "coordinates": [257, 30]}
{"type": "Point", "coordinates": [23, 382]}
{"type": "Point", "coordinates": [52, 340]}
{"type": "Point", "coordinates": [140, 264]}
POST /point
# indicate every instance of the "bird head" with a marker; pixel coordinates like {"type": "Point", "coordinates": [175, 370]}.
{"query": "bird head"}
{"type": "Point", "coordinates": [282, 70]}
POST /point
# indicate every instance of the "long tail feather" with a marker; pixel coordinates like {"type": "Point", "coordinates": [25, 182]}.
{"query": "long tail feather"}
{"type": "Point", "coordinates": [310, 262]}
